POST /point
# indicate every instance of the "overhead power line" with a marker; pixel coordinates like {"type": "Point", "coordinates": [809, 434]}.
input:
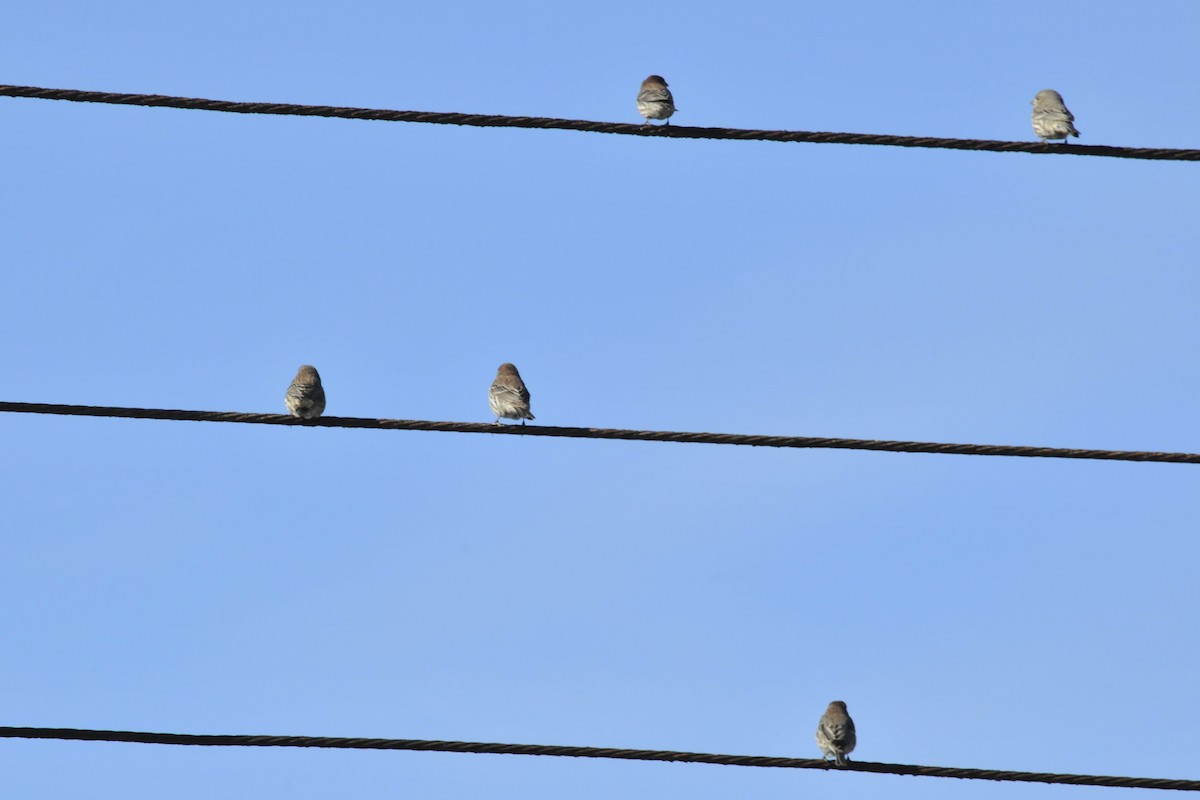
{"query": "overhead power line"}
{"type": "Point", "coordinates": [625, 129]}
{"type": "Point", "coordinates": [344, 743]}
{"type": "Point", "coordinates": [751, 440]}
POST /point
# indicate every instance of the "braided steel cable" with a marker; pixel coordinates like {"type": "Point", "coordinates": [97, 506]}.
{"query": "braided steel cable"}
{"type": "Point", "coordinates": [751, 440]}
{"type": "Point", "coordinates": [346, 743]}
{"type": "Point", "coordinates": [625, 129]}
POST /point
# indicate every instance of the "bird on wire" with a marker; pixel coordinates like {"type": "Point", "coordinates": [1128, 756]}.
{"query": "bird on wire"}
{"type": "Point", "coordinates": [1051, 119]}
{"type": "Point", "coordinates": [654, 101]}
{"type": "Point", "coordinates": [835, 733]}
{"type": "Point", "coordinates": [305, 398]}
{"type": "Point", "coordinates": [508, 396]}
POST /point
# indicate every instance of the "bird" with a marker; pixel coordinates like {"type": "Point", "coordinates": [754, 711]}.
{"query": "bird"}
{"type": "Point", "coordinates": [508, 396]}
{"type": "Point", "coordinates": [654, 101]}
{"type": "Point", "coordinates": [1051, 119]}
{"type": "Point", "coordinates": [305, 398]}
{"type": "Point", "coordinates": [835, 732]}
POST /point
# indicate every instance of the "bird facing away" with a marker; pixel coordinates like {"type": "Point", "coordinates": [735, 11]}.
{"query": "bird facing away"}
{"type": "Point", "coordinates": [835, 732]}
{"type": "Point", "coordinates": [654, 101]}
{"type": "Point", "coordinates": [305, 398]}
{"type": "Point", "coordinates": [508, 396]}
{"type": "Point", "coordinates": [1051, 119]}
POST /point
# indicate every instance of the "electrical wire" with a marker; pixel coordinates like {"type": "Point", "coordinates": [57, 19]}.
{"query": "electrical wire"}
{"type": "Point", "coordinates": [625, 129]}
{"type": "Point", "coordinates": [752, 440]}
{"type": "Point", "coordinates": [345, 743]}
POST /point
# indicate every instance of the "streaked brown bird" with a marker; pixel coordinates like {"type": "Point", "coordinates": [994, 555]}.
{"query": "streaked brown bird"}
{"type": "Point", "coordinates": [1051, 119]}
{"type": "Point", "coordinates": [305, 398]}
{"type": "Point", "coordinates": [508, 396]}
{"type": "Point", "coordinates": [654, 101]}
{"type": "Point", "coordinates": [835, 733]}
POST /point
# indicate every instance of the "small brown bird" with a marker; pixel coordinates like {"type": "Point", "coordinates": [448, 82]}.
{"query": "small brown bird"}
{"type": "Point", "coordinates": [305, 398]}
{"type": "Point", "coordinates": [654, 101]}
{"type": "Point", "coordinates": [508, 396]}
{"type": "Point", "coordinates": [835, 732]}
{"type": "Point", "coordinates": [1051, 119]}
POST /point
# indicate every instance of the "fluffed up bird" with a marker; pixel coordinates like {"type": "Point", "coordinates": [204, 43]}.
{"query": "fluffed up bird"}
{"type": "Point", "coordinates": [654, 101]}
{"type": "Point", "coordinates": [508, 396]}
{"type": "Point", "coordinates": [1051, 119]}
{"type": "Point", "coordinates": [835, 732]}
{"type": "Point", "coordinates": [305, 398]}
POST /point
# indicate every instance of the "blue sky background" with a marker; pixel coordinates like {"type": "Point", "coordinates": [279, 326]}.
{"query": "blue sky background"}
{"type": "Point", "coordinates": [198, 578]}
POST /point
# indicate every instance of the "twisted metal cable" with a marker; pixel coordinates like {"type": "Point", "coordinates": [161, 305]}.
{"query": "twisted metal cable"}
{"type": "Point", "coordinates": [626, 129]}
{"type": "Point", "coordinates": [345, 743]}
{"type": "Point", "coordinates": [602, 433]}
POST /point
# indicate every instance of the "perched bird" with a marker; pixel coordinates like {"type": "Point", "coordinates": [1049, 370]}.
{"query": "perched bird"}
{"type": "Point", "coordinates": [508, 396]}
{"type": "Point", "coordinates": [305, 398]}
{"type": "Point", "coordinates": [1051, 119]}
{"type": "Point", "coordinates": [655, 100]}
{"type": "Point", "coordinates": [835, 732]}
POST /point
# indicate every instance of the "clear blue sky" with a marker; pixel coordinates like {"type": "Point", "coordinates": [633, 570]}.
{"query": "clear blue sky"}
{"type": "Point", "coordinates": [199, 578]}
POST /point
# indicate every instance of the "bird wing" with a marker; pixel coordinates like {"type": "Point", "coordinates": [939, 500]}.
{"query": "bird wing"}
{"type": "Point", "coordinates": [508, 390]}
{"type": "Point", "coordinates": [655, 96]}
